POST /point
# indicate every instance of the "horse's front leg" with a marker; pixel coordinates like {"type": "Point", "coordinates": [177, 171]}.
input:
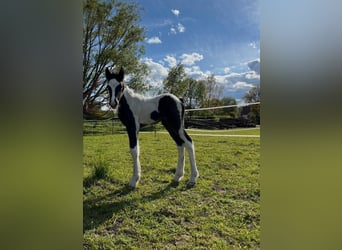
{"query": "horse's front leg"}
{"type": "Point", "coordinates": [135, 152]}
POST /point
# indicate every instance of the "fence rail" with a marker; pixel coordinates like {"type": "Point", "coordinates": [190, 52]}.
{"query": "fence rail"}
{"type": "Point", "coordinates": [112, 126]}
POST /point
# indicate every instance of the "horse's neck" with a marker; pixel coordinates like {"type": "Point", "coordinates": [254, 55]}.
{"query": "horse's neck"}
{"type": "Point", "coordinates": [131, 96]}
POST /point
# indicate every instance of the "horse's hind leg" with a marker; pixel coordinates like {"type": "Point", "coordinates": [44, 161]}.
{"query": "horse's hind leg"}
{"type": "Point", "coordinates": [189, 145]}
{"type": "Point", "coordinates": [180, 145]}
{"type": "Point", "coordinates": [180, 166]}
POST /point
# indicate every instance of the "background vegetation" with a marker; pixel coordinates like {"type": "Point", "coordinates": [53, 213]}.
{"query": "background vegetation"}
{"type": "Point", "coordinates": [113, 38]}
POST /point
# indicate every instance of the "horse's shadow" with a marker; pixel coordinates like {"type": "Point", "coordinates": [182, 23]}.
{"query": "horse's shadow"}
{"type": "Point", "coordinates": [100, 209]}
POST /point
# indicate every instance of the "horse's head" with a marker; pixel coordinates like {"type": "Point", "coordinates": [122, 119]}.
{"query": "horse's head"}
{"type": "Point", "coordinates": [115, 87]}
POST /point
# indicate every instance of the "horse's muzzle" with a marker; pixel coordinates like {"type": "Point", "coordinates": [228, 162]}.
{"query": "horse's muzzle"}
{"type": "Point", "coordinates": [115, 103]}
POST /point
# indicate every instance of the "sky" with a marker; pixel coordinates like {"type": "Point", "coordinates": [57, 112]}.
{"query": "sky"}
{"type": "Point", "coordinates": [219, 37]}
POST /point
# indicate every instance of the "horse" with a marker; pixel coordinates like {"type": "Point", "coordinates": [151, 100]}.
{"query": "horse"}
{"type": "Point", "coordinates": [136, 111]}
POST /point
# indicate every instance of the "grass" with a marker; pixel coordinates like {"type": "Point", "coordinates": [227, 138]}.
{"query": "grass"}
{"type": "Point", "coordinates": [222, 211]}
{"type": "Point", "coordinates": [237, 131]}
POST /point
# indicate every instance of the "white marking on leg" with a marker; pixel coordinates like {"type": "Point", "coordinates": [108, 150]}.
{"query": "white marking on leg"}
{"type": "Point", "coordinates": [135, 152]}
{"type": "Point", "coordinates": [180, 167]}
{"type": "Point", "coordinates": [194, 172]}
{"type": "Point", "coordinates": [191, 150]}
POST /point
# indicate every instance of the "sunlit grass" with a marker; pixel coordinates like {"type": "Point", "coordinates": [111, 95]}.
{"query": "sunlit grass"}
{"type": "Point", "coordinates": [222, 211]}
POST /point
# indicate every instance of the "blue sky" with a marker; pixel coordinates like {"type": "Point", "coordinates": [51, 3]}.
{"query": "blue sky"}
{"type": "Point", "coordinates": [219, 37]}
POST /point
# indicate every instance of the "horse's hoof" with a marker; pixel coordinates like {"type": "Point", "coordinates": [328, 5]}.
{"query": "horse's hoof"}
{"type": "Point", "coordinates": [174, 183]}
{"type": "Point", "coordinates": [190, 184]}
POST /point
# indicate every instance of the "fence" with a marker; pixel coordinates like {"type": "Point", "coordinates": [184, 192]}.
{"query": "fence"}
{"type": "Point", "coordinates": [114, 126]}
{"type": "Point", "coordinates": [110, 126]}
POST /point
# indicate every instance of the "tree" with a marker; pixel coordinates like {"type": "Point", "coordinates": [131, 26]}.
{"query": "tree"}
{"type": "Point", "coordinates": [200, 93]}
{"type": "Point", "coordinates": [226, 101]}
{"type": "Point", "coordinates": [174, 82]}
{"type": "Point", "coordinates": [137, 79]}
{"type": "Point", "coordinates": [195, 93]}
{"type": "Point", "coordinates": [213, 89]}
{"type": "Point", "coordinates": [111, 37]}
{"type": "Point", "coordinates": [253, 95]}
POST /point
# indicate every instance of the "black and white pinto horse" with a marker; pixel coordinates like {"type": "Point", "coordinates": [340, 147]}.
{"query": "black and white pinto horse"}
{"type": "Point", "coordinates": [135, 111]}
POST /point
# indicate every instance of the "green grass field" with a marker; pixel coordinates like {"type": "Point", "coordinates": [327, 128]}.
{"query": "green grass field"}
{"type": "Point", "coordinates": [222, 211]}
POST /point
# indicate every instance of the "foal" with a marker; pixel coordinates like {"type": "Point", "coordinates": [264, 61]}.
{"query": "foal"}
{"type": "Point", "coordinates": [135, 111]}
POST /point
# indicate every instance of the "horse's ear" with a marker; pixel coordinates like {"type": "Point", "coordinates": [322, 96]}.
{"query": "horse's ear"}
{"type": "Point", "coordinates": [108, 74]}
{"type": "Point", "coordinates": [121, 75]}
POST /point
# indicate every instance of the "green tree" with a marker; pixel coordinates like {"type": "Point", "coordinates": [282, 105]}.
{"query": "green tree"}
{"type": "Point", "coordinates": [138, 77]}
{"type": "Point", "coordinates": [174, 82]}
{"type": "Point", "coordinates": [195, 93]}
{"type": "Point", "coordinates": [200, 93]}
{"type": "Point", "coordinates": [253, 95]}
{"type": "Point", "coordinates": [226, 101]}
{"type": "Point", "coordinates": [213, 90]}
{"type": "Point", "coordinates": [111, 37]}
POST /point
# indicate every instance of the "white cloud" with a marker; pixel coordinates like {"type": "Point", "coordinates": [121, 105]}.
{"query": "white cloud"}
{"type": "Point", "coordinates": [238, 83]}
{"type": "Point", "coordinates": [223, 79]}
{"type": "Point", "coordinates": [172, 61]}
{"type": "Point", "coordinates": [175, 12]}
{"type": "Point", "coordinates": [252, 75]}
{"type": "Point", "coordinates": [190, 59]}
{"type": "Point", "coordinates": [154, 40]}
{"type": "Point", "coordinates": [242, 85]}
{"type": "Point", "coordinates": [195, 72]}
{"type": "Point", "coordinates": [157, 72]}
{"type": "Point", "coordinates": [234, 84]}
{"type": "Point", "coordinates": [173, 31]}
{"type": "Point", "coordinates": [180, 28]}
{"type": "Point", "coordinates": [227, 70]}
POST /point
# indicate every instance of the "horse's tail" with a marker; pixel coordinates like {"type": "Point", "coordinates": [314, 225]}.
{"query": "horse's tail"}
{"type": "Point", "coordinates": [182, 120]}
{"type": "Point", "coordinates": [182, 110]}
{"type": "Point", "coordinates": [182, 107]}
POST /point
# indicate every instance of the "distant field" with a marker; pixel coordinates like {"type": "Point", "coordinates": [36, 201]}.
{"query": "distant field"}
{"type": "Point", "coordinates": [222, 211]}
